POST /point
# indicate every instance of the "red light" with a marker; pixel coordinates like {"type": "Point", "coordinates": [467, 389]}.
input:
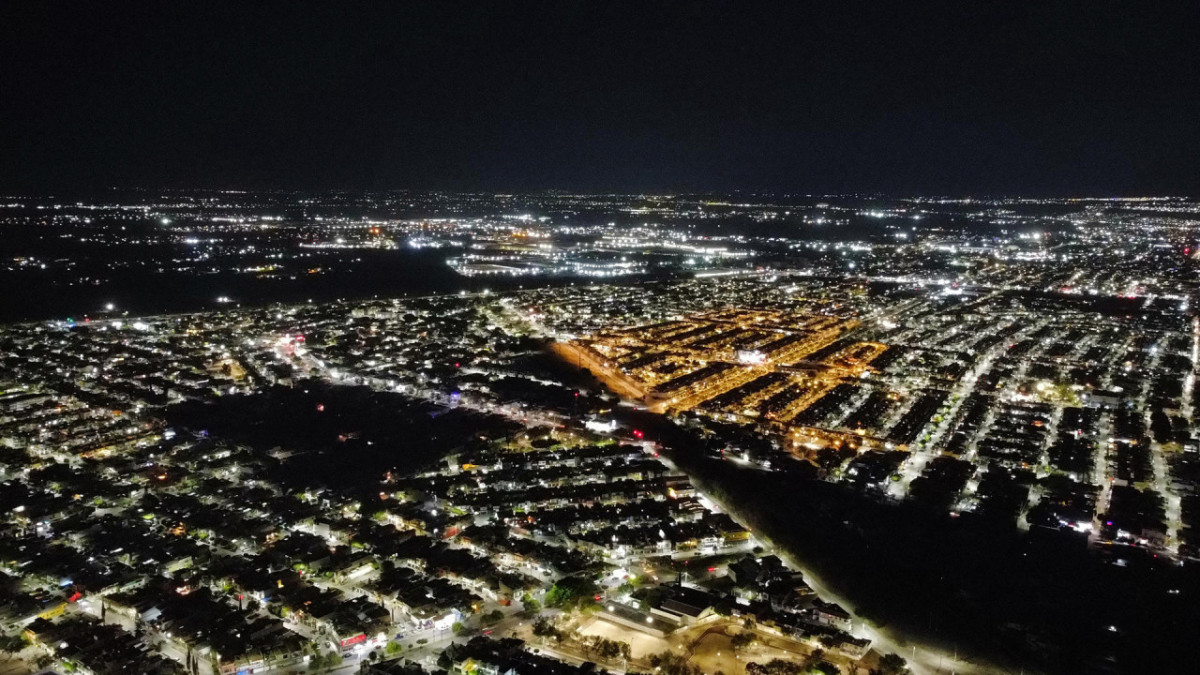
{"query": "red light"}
{"type": "Point", "coordinates": [361, 637]}
{"type": "Point", "coordinates": [712, 569]}
{"type": "Point", "coordinates": [456, 364]}
{"type": "Point", "coordinates": [320, 407]}
{"type": "Point", "coordinates": [597, 598]}
{"type": "Point", "coordinates": [638, 433]}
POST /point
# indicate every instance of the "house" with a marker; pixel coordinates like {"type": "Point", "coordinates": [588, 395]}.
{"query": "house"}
{"type": "Point", "coordinates": [832, 614]}
{"type": "Point", "coordinates": [745, 572]}
{"type": "Point", "coordinates": [686, 605]}
{"type": "Point", "coordinates": [1104, 398]}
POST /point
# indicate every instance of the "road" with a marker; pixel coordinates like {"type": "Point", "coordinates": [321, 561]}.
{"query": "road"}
{"type": "Point", "coordinates": [922, 659]}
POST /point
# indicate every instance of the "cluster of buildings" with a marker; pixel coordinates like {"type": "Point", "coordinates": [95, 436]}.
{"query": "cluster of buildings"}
{"type": "Point", "coordinates": [1030, 409]}
{"type": "Point", "coordinates": [199, 550]}
{"type": "Point", "coordinates": [1027, 364]}
{"type": "Point", "coordinates": [612, 501]}
{"type": "Point", "coordinates": [741, 363]}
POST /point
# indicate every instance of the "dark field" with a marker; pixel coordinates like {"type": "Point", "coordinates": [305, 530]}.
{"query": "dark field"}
{"type": "Point", "coordinates": [342, 437]}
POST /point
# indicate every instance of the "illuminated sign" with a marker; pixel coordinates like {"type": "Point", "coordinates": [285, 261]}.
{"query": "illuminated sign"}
{"type": "Point", "coordinates": [361, 637]}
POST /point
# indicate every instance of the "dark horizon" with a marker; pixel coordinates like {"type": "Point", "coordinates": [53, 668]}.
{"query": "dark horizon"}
{"type": "Point", "coordinates": [765, 195]}
{"type": "Point", "coordinates": [1054, 99]}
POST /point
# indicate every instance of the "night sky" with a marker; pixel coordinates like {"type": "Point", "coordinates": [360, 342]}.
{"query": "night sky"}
{"type": "Point", "coordinates": [1039, 97]}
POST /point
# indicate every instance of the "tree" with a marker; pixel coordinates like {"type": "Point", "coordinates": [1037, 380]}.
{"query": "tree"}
{"type": "Point", "coordinates": [892, 664]}
{"type": "Point", "coordinates": [1160, 426]}
{"type": "Point", "coordinates": [572, 593]}
{"type": "Point", "coordinates": [774, 667]}
{"type": "Point", "coordinates": [608, 649]}
{"type": "Point", "coordinates": [12, 643]}
{"type": "Point", "coordinates": [530, 605]}
{"type": "Point", "coordinates": [674, 664]}
{"type": "Point", "coordinates": [491, 618]}
{"type": "Point", "coordinates": [393, 648]}
{"type": "Point", "coordinates": [544, 627]}
{"type": "Point", "coordinates": [651, 596]}
{"type": "Point", "coordinates": [324, 660]}
{"type": "Point", "coordinates": [742, 640]}
{"type": "Point", "coordinates": [827, 668]}
{"type": "Point", "coordinates": [458, 628]}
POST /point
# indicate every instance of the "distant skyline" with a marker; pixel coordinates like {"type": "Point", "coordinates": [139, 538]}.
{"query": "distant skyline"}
{"type": "Point", "coordinates": [1051, 98]}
